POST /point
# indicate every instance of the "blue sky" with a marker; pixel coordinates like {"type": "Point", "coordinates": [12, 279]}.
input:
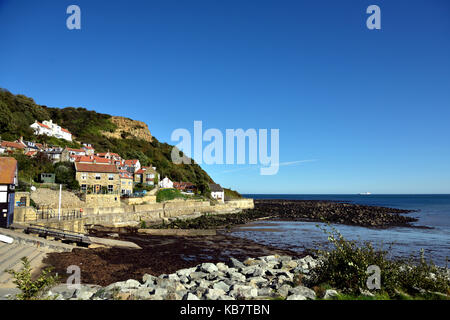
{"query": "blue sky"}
{"type": "Point", "coordinates": [368, 109]}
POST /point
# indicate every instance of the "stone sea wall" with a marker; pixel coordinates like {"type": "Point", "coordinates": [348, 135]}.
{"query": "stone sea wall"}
{"type": "Point", "coordinates": [130, 214]}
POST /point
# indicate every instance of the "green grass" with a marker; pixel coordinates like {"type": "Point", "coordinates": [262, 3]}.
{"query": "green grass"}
{"type": "Point", "coordinates": [169, 194]}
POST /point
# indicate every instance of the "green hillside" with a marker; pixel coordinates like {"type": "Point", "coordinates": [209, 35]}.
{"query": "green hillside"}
{"type": "Point", "coordinates": [18, 112]}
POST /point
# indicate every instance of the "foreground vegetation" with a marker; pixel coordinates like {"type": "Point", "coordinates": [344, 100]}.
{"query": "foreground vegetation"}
{"type": "Point", "coordinates": [32, 289]}
{"type": "Point", "coordinates": [345, 267]}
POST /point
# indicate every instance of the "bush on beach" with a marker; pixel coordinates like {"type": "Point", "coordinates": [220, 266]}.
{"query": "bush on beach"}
{"type": "Point", "coordinates": [344, 267]}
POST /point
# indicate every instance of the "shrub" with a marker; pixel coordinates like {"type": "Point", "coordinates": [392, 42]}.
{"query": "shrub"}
{"type": "Point", "coordinates": [344, 267]}
{"type": "Point", "coordinates": [31, 290]}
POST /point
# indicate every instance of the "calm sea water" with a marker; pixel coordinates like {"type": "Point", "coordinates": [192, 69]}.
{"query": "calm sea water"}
{"type": "Point", "coordinates": [434, 211]}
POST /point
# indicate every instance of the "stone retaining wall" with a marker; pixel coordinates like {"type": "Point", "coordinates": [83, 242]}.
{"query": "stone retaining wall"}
{"type": "Point", "coordinates": [131, 214]}
{"type": "Point", "coordinates": [102, 200]}
{"type": "Point", "coordinates": [140, 200]}
{"type": "Point", "coordinates": [179, 232]}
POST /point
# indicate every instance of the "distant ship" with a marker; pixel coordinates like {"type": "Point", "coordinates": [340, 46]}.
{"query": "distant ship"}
{"type": "Point", "coordinates": [365, 194]}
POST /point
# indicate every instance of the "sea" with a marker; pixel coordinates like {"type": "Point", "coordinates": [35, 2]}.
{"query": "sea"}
{"type": "Point", "coordinates": [401, 242]}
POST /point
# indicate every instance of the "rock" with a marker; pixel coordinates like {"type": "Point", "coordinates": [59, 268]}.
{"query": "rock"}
{"type": "Point", "coordinates": [285, 259]}
{"type": "Point", "coordinates": [222, 267]}
{"type": "Point", "coordinates": [265, 292]}
{"type": "Point", "coordinates": [270, 258]}
{"type": "Point", "coordinates": [161, 292]}
{"type": "Point", "coordinates": [214, 294]}
{"type": "Point", "coordinates": [289, 265]}
{"type": "Point", "coordinates": [174, 296]}
{"type": "Point", "coordinates": [225, 297]}
{"type": "Point", "coordinates": [173, 277]}
{"type": "Point", "coordinates": [175, 287]}
{"type": "Point", "coordinates": [197, 275]}
{"type": "Point", "coordinates": [271, 272]}
{"type": "Point", "coordinates": [132, 284]}
{"type": "Point", "coordinates": [123, 296]}
{"type": "Point", "coordinates": [215, 275]}
{"type": "Point", "coordinates": [61, 292]}
{"type": "Point", "coordinates": [186, 272]}
{"type": "Point", "coordinates": [85, 292]}
{"type": "Point", "coordinates": [296, 297]}
{"type": "Point", "coordinates": [248, 270]}
{"type": "Point", "coordinates": [203, 284]}
{"type": "Point", "coordinates": [190, 285]}
{"type": "Point", "coordinates": [236, 263]}
{"type": "Point", "coordinates": [208, 267]}
{"type": "Point", "coordinates": [142, 294]}
{"type": "Point", "coordinates": [304, 291]}
{"type": "Point", "coordinates": [256, 281]}
{"type": "Point", "coordinates": [148, 279]}
{"type": "Point", "coordinates": [200, 291]}
{"type": "Point", "coordinates": [284, 290]}
{"type": "Point", "coordinates": [163, 283]}
{"type": "Point", "coordinates": [190, 296]}
{"type": "Point", "coordinates": [237, 277]}
{"type": "Point", "coordinates": [222, 286]}
{"type": "Point", "coordinates": [250, 262]}
{"type": "Point", "coordinates": [243, 291]}
{"type": "Point", "coordinates": [330, 294]}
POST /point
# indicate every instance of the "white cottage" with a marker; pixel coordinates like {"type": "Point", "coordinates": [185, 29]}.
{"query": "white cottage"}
{"type": "Point", "coordinates": [51, 129]}
{"type": "Point", "coordinates": [217, 192]}
{"type": "Point", "coordinates": [166, 183]}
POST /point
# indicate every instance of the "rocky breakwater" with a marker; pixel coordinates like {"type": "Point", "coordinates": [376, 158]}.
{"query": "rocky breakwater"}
{"type": "Point", "coordinates": [335, 212]}
{"type": "Point", "coordinates": [267, 277]}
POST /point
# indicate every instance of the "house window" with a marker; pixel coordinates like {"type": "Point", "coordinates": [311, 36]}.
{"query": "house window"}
{"type": "Point", "coordinates": [98, 176]}
{"type": "Point", "coordinates": [83, 187]}
{"type": "Point", "coordinates": [110, 177]}
{"type": "Point", "coordinates": [110, 188]}
{"type": "Point", "coordinates": [84, 176]}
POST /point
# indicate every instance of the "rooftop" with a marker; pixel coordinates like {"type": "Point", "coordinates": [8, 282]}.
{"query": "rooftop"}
{"type": "Point", "coordinates": [94, 167]}
{"type": "Point", "coordinates": [8, 168]}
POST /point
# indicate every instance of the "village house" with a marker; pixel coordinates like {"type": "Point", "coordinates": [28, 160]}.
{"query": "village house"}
{"type": "Point", "coordinates": [31, 154]}
{"type": "Point", "coordinates": [97, 178]}
{"type": "Point", "coordinates": [30, 145]}
{"type": "Point", "coordinates": [8, 183]}
{"type": "Point", "coordinates": [132, 165]}
{"type": "Point", "coordinates": [11, 147]}
{"type": "Point", "coordinates": [89, 159]}
{"type": "Point", "coordinates": [166, 183]}
{"type": "Point", "coordinates": [68, 153]}
{"type": "Point", "coordinates": [217, 192]}
{"type": "Point", "coordinates": [146, 176]}
{"type": "Point", "coordinates": [110, 155]}
{"type": "Point", "coordinates": [184, 186]}
{"type": "Point", "coordinates": [51, 129]}
{"type": "Point", "coordinates": [88, 149]}
{"type": "Point", "coordinates": [126, 182]}
{"type": "Point", "coordinates": [54, 154]}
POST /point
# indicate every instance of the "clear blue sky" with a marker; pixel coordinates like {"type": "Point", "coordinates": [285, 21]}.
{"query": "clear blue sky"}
{"type": "Point", "coordinates": [370, 107]}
